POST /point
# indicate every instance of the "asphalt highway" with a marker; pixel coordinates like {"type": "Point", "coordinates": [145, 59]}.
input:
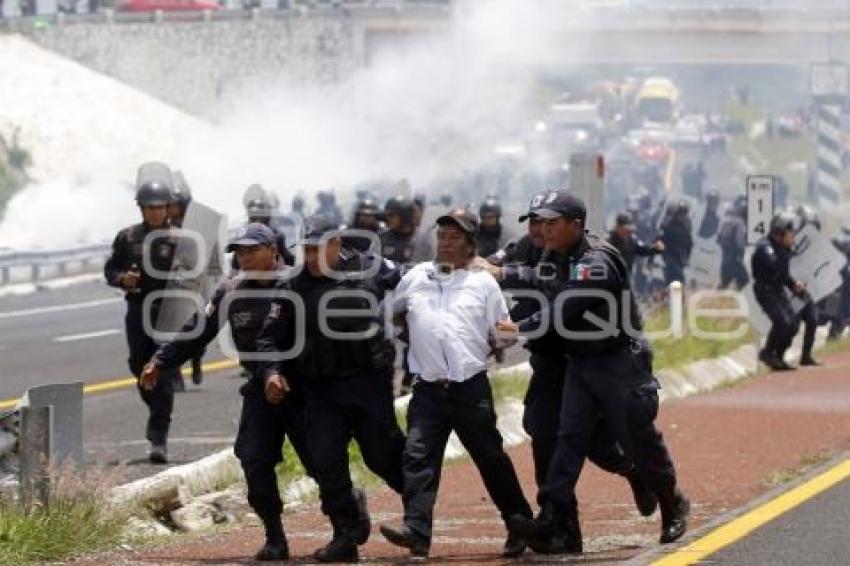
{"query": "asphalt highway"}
{"type": "Point", "coordinates": [76, 334]}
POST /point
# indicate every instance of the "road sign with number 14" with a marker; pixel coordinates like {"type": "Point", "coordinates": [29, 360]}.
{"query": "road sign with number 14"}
{"type": "Point", "coordinates": [759, 206]}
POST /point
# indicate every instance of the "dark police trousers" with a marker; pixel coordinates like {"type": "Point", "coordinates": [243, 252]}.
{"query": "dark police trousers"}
{"type": "Point", "coordinates": [618, 387]}
{"type": "Point", "coordinates": [542, 415]}
{"type": "Point", "coordinates": [809, 317]}
{"type": "Point", "coordinates": [733, 270]}
{"type": "Point", "coordinates": [160, 400]}
{"type": "Point", "coordinates": [784, 323]}
{"type": "Point", "coordinates": [435, 410]}
{"type": "Point", "coordinates": [338, 410]}
{"type": "Point", "coordinates": [259, 444]}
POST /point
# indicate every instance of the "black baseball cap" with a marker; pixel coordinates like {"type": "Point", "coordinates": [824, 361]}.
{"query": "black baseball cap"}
{"type": "Point", "coordinates": [254, 234]}
{"type": "Point", "coordinates": [561, 203]}
{"type": "Point", "coordinates": [462, 217]}
{"type": "Point", "coordinates": [625, 219]}
{"type": "Point", "coordinates": [315, 227]}
{"type": "Point", "coordinates": [535, 203]}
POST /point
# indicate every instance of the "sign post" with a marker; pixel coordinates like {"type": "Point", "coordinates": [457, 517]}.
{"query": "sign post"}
{"type": "Point", "coordinates": [829, 85]}
{"type": "Point", "coordinates": [759, 206]}
{"type": "Point", "coordinates": [587, 181]}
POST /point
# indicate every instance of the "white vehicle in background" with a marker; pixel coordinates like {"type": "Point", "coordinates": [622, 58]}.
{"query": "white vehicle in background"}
{"type": "Point", "coordinates": [690, 130]}
{"type": "Point", "coordinates": [573, 127]}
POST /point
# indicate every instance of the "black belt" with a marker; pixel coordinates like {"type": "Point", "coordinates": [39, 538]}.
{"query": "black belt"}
{"type": "Point", "coordinates": [447, 383]}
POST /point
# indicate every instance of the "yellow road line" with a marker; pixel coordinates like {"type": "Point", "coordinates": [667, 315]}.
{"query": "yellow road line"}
{"type": "Point", "coordinates": [671, 167]}
{"type": "Point", "coordinates": [750, 521]}
{"type": "Point", "coordinates": [130, 381]}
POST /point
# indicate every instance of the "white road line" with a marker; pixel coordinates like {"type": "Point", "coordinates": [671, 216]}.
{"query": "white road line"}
{"type": "Point", "coordinates": [59, 308]}
{"type": "Point", "coordinates": [87, 335]}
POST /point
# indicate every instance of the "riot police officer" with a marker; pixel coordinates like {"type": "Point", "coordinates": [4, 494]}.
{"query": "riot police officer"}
{"type": "Point", "coordinates": [180, 198]}
{"type": "Point", "coordinates": [771, 275]}
{"type": "Point", "coordinates": [397, 241]}
{"type": "Point", "coordinates": [839, 320]}
{"type": "Point", "coordinates": [347, 380]}
{"type": "Point", "coordinates": [710, 221]}
{"type": "Point", "coordinates": [262, 426]}
{"type": "Point", "coordinates": [623, 238]}
{"type": "Point", "coordinates": [259, 208]}
{"type": "Point", "coordinates": [610, 377]}
{"type": "Point", "coordinates": [328, 207]}
{"type": "Point", "coordinates": [528, 249]}
{"type": "Point", "coordinates": [732, 239]}
{"type": "Point", "coordinates": [810, 315]}
{"type": "Point", "coordinates": [678, 242]}
{"type": "Point", "coordinates": [491, 235]}
{"type": "Point", "coordinates": [136, 251]}
{"type": "Point", "coordinates": [298, 208]}
{"type": "Point", "coordinates": [545, 388]}
{"type": "Point", "coordinates": [366, 217]}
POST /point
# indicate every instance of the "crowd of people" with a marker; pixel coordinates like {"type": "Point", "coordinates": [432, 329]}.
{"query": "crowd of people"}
{"type": "Point", "coordinates": [319, 307]}
{"type": "Point", "coordinates": [317, 332]}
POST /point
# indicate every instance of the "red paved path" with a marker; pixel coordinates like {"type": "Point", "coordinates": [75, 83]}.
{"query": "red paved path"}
{"type": "Point", "coordinates": [727, 445]}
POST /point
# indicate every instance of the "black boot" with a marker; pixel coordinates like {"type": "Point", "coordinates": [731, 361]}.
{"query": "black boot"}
{"type": "Point", "coordinates": [645, 500]}
{"type": "Point", "coordinates": [404, 537]}
{"type": "Point", "coordinates": [364, 522]}
{"type": "Point", "coordinates": [343, 545]}
{"type": "Point", "coordinates": [566, 533]}
{"type": "Point", "coordinates": [808, 360]}
{"type": "Point", "coordinates": [559, 535]}
{"type": "Point", "coordinates": [674, 515]}
{"type": "Point", "coordinates": [772, 361]}
{"type": "Point", "coordinates": [275, 547]}
{"type": "Point", "coordinates": [515, 544]}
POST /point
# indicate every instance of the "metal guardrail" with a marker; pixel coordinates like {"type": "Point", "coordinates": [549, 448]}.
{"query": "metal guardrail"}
{"type": "Point", "coordinates": [255, 9]}
{"type": "Point", "coordinates": [37, 260]}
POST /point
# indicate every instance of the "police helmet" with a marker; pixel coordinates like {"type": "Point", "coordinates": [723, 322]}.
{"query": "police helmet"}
{"type": "Point", "coordinates": [446, 200]}
{"type": "Point", "coordinates": [259, 206]}
{"type": "Point", "coordinates": [401, 206]}
{"type": "Point", "coordinates": [367, 205]}
{"type": "Point", "coordinates": [253, 193]}
{"type": "Point", "coordinates": [325, 197]}
{"type": "Point", "coordinates": [490, 207]}
{"type": "Point", "coordinates": [154, 184]}
{"type": "Point", "coordinates": [784, 221]}
{"type": "Point", "coordinates": [808, 216]}
{"type": "Point", "coordinates": [181, 192]}
{"type": "Point", "coordinates": [712, 195]}
{"type": "Point", "coordinates": [297, 204]}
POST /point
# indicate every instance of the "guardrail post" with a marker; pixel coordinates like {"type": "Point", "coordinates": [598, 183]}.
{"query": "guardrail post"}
{"type": "Point", "coordinates": [35, 443]}
{"type": "Point", "coordinates": [36, 272]}
{"type": "Point", "coordinates": [4, 275]}
{"type": "Point", "coordinates": [63, 267]}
